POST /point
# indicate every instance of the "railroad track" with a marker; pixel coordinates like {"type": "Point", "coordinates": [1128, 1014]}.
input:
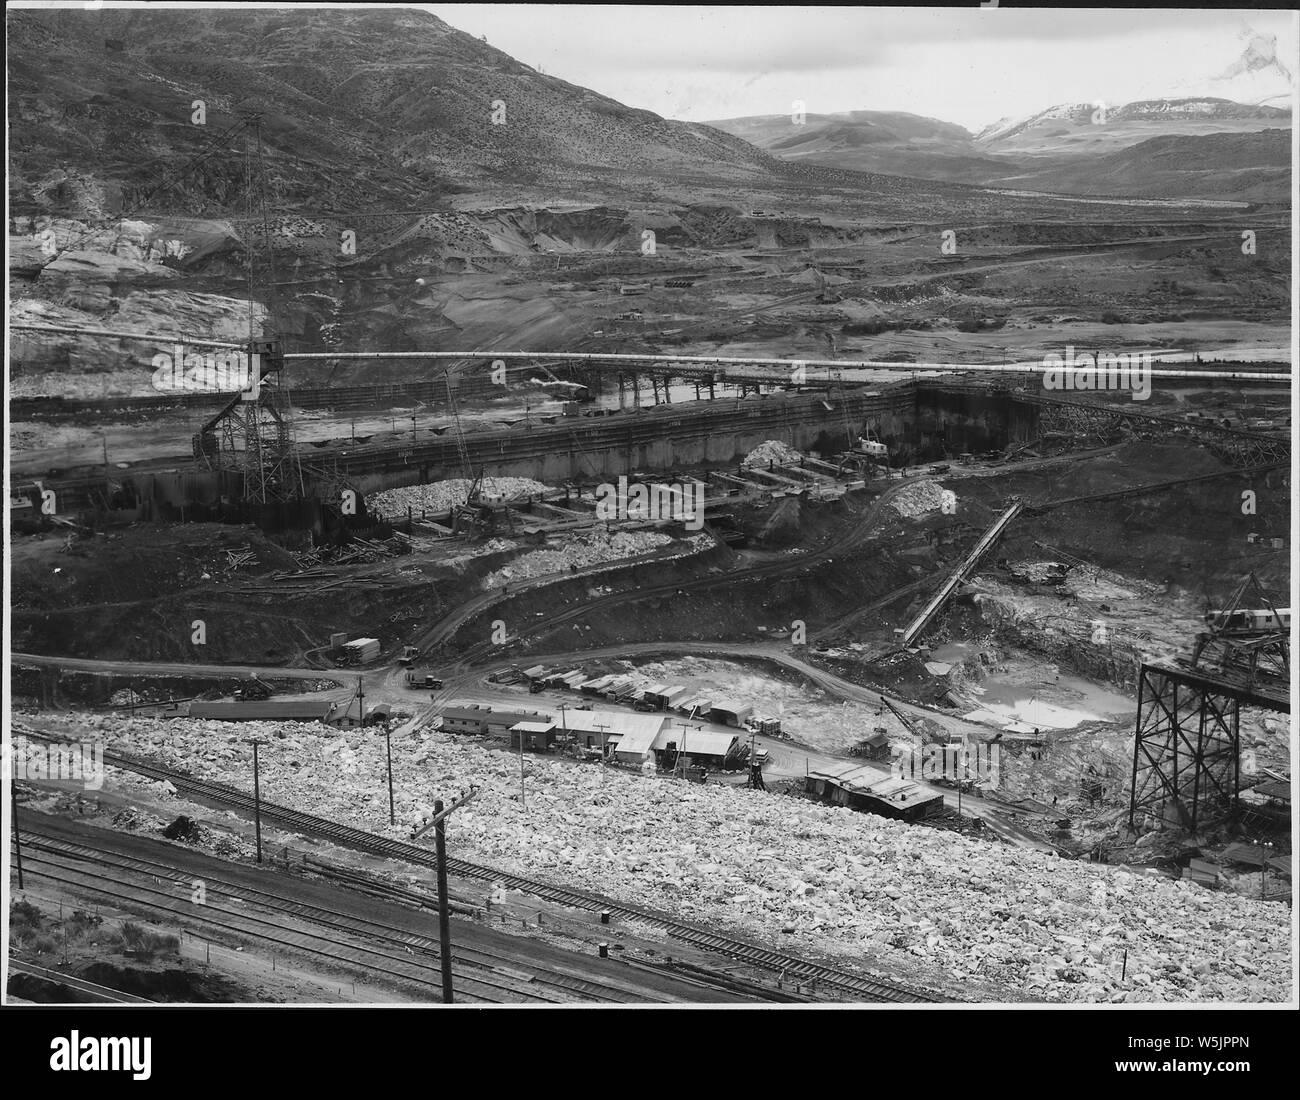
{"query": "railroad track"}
{"type": "Point", "coordinates": [862, 988]}
{"type": "Point", "coordinates": [348, 940]}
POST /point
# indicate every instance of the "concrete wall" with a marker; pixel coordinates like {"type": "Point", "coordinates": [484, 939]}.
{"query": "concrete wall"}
{"type": "Point", "coordinates": [958, 421]}
{"type": "Point", "coordinates": [665, 438]}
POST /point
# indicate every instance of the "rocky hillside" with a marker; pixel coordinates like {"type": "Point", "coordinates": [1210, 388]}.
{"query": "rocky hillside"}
{"type": "Point", "coordinates": [891, 142]}
{"type": "Point", "coordinates": [1249, 167]}
{"type": "Point", "coordinates": [452, 168]}
{"type": "Point", "coordinates": [1073, 129]}
{"type": "Point", "coordinates": [360, 109]}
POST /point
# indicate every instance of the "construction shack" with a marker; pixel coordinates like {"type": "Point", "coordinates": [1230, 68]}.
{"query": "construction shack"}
{"type": "Point", "coordinates": [705, 748]}
{"type": "Point", "coordinates": [470, 718]}
{"type": "Point", "coordinates": [867, 790]}
{"type": "Point", "coordinates": [537, 736]}
{"type": "Point", "coordinates": [501, 722]}
{"type": "Point", "coordinates": [730, 712]}
{"type": "Point", "coordinates": [346, 714]}
{"type": "Point", "coordinates": [629, 736]}
{"type": "Point", "coordinates": [264, 710]}
{"type": "Point", "coordinates": [874, 747]}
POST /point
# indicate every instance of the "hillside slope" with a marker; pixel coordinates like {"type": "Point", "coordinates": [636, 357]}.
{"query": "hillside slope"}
{"type": "Point", "coordinates": [1251, 167]}
{"type": "Point", "coordinates": [1070, 148]}
{"type": "Point", "coordinates": [359, 108]}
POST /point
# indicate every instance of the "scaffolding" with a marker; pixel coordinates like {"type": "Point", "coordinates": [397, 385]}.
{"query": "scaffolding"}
{"type": "Point", "coordinates": [251, 435]}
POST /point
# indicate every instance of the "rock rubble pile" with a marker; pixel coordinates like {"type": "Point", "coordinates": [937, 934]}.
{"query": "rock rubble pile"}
{"type": "Point", "coordinates": [441, 496]}
{"type": "Point", "coordinates": [916, 500]}
{"type": "Point", "coordinates": [772, 450]}
{"type": "Point", "coordinates": [581, 552]}
{"type": "Point", "coordinates": [846, 883]}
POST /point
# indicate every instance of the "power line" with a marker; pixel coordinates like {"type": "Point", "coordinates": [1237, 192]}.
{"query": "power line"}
{"type": "Point", "coordinates": [145, 336]}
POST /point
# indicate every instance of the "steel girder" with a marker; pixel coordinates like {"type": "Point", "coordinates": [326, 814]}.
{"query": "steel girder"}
{"type": "Point", "coordinates": [1186, 756]}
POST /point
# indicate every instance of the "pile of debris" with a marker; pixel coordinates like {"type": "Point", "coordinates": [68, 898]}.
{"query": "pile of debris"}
{"type": "Point", "coordinates": [442, 496]}
{"type": "Point", "coordinates": [916, 500]}
{"type": "Point", "coordinates": [772, 450]}
{"type": "Point", "coordinates": [841, 882]}
{"type": "Point", "coordinates": [357, 551]}
{"type": "Point", "coordinates": [580, 552]}
{"type": "Point", "coordinates": [1039, 572]}
{"type": "Point", "coordinates": [241, 557]}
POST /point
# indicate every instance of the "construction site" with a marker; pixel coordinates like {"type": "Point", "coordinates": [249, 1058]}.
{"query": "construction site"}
{"type": "Point", "coordinates": [662, 672]}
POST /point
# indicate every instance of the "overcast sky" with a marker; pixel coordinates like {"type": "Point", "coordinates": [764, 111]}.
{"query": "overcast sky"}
{"type": "Point", "coordinates": [968, 66]}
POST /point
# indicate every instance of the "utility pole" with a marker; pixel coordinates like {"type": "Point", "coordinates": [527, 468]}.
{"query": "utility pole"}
{"type": "Point", "coordinates": [523, 805]}
{"type": "Point", "coordinates": [602, 728]}
{"type": "Point", "coordinates": [257, 797]}
{"type": "Point", "coordinates": [444, 917]}
{"type": "Point", "coordinates": [681, 753]}
{"type": "Point", "coordinates": [444, 914]}
{"type": "Point", "coordinates": [388, 748]}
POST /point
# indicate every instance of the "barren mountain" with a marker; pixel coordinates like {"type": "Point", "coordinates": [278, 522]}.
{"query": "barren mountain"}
{"type": "Point", "coordinates": [1072, 149]}
{"type": "Point", "coordinates": [890, 142]}
{"type": "Point", "coordinates": [1250, 167]}
{"type": "Point", "coordinates": [1071, 129]}
{"type": "Point", "coordinates": [359, 108]}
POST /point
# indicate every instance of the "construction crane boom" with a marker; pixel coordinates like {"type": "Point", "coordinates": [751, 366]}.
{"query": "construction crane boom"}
{"type": "Point", "coordinates": [910, 724]}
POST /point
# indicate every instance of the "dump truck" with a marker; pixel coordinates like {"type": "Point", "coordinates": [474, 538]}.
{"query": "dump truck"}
{"type": "Point", "coordinates": [410, 654]}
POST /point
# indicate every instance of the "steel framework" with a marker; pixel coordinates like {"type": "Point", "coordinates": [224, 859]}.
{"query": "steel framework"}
{"type": "Point", "coordinates": [1187, 748]}
{"type": "Point", "coordinates": [1101, 424]}
{"type": "Point", "coordinates": [251, 435]}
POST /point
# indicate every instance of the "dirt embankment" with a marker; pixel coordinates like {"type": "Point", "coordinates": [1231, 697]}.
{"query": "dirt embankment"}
{"type": "Point", "coordinates": [1190, 538]}
{"type": "Point", "coordinates": [138, 595]}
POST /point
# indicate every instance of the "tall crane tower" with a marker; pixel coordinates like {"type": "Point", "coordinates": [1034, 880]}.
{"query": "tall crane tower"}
{"type": "Point", "coordinates": [251, 436]}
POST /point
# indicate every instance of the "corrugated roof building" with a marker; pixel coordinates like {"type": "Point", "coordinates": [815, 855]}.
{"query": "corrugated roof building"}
{"type": "Point", "coordinates": [634, 733]}
{"type": "Point", "coordinates": [868, 790]}
{"type": "Point", "coordinates": [702, 746]}
{"type": "Point", "coordinates": [266, 710]}
{"type": "Point", "coordinates": [730, 712]}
